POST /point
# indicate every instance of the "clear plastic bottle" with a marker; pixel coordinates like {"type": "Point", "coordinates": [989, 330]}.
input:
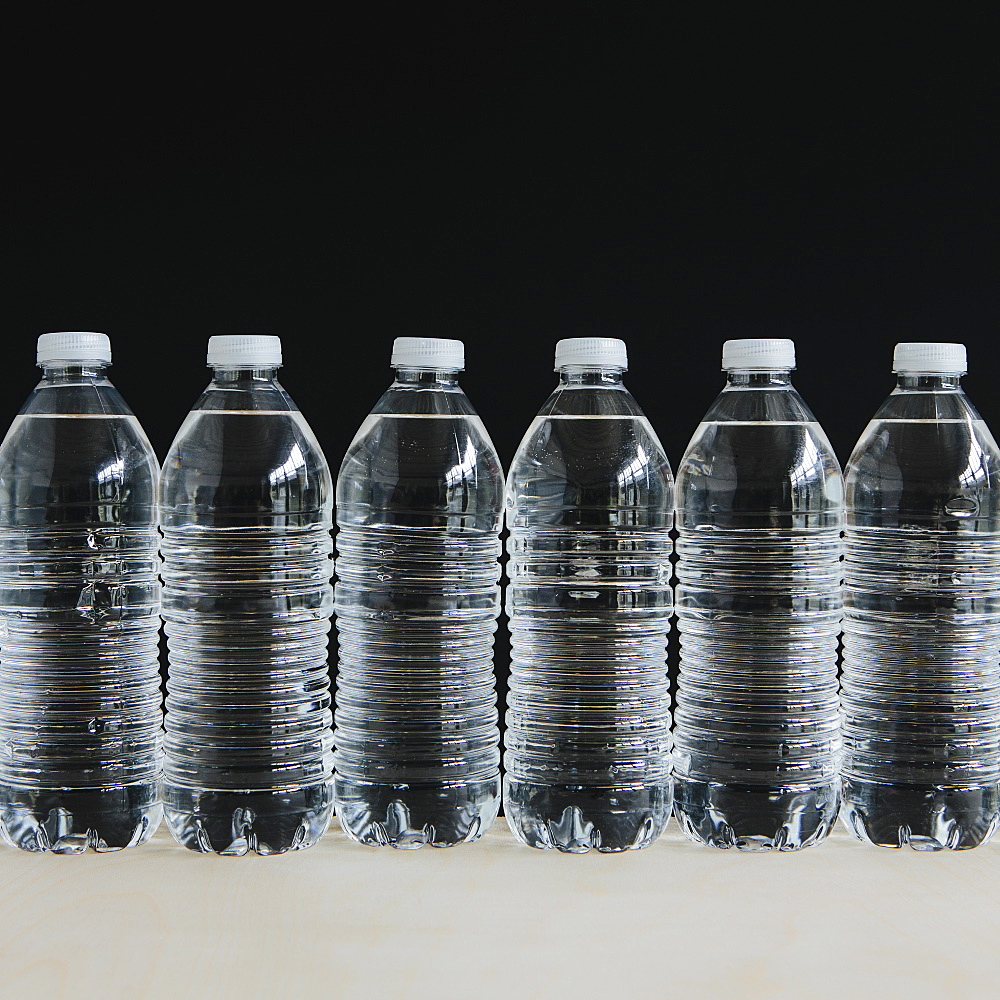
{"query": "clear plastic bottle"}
{"type": "Point", "coordinates": [921, 674]}
{"type": "Point", "coordinates": [246, 500]}
{"type": "Point", "coordinates": [589, 508]}
{"type": "Point", "coordinates": [759, 603]}
{"type": "Point", "coordinates": [418, 517]}
{"type": "Point", "coordinates": [80, 718]}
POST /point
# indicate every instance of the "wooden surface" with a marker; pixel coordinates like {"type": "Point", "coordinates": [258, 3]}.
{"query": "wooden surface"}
{"type": "Point", "coordinates": [494, 919]}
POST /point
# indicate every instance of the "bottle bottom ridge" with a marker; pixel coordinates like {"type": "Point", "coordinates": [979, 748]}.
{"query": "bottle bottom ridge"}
{"type": "Point", "coordinates": [579, 818]}
{"type": "Point", "coordinates": [923, 817]}
{"type": "Point", "coordinates": [71, 820]}
{"type": "Point", "coordinates": [232, 823]}
{"type": "Point", "coordinates": [755, 818]}
{"type": "Point", "coordinates": [407, 816]}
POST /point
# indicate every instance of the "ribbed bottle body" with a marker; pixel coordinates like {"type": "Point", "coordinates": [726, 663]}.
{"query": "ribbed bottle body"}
{"type": "Point", "coordinates": [588, 507]}
{"type": "Point", "coordinates": [759, 604]}
{"type": "Point", "coordinates": [80, 717]}
{"type": "Point", "coordinates": [417, 599]}
{"type": "Point", "coordinates": [921, 674]}
{"type": "Point", "coordinates": [246, 517]}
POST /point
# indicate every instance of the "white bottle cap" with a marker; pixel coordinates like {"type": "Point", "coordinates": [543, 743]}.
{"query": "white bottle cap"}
{"type": "Point", "coordinates": [945, 359]}
{"type": "Point", "coordinates": [244, 351]}
{"type": "Point", "coordinates": [759, 355]}
{"type": "Point", "coordinates": [591, 352]}
{"type": "Point", "coordinates": [428, 352]}
{"type": "Point", "coordinates": [73, 347]}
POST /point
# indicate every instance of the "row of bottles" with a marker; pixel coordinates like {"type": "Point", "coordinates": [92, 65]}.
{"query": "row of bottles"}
{"type": "Point", "coordinates": [763, 749]}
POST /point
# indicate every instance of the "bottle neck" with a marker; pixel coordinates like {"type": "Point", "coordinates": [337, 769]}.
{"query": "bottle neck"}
{"type": "Point", "coordinates": [426, 378]}
{"type": "Point", "coordinates": [243, 378]}
{"type": "Point", "coordinates": [602, 377]}
{"type": "Point", "coordinates": [74, 371]}
{"type": "Point", "coordinates": [928, 382]}
{"type": "Point", "coordinates": [777, 378]}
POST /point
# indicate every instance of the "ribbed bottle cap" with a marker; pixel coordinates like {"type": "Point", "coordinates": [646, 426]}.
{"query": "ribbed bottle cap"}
{"type": "Point", "coordinates": [428, 352]}
{"type": "Point", "coordinates": [244, 351]}
{"type": "Point", "coordinates": [946, 359]}
{"type": "Point", "coordinates": [762, 355]}
{"type": "Point", "coordinates": [591, 352]}
{"type": "Point", "coordinates": [73, 347]}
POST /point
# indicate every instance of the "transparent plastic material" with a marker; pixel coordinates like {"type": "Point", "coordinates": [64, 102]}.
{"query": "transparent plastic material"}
{"type": "Point", "coordinates": [418, 516]}
{"type": "Point", "coordinates": [589, 508]}
{"type": "Point", "coordinates": [759, 603]}
{"type": "Point", "coordinates": [80, 719]}
{"type": "Point", "coordinates": [921, 681]}
{"type": "Point", "coordinates": [246, 516]}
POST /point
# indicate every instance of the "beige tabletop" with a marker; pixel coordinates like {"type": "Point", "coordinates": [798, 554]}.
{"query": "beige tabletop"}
{"type": "Point", "coordinates": [494, 919]}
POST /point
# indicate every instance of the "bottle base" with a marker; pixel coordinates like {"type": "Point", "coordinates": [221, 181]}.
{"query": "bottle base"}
{"type": "Point", "coordinates": [234, 823]}
{"type": "Point", "coordinates": [73, 820]}
{"type": "Point", "coordinates": [756, 819]}
{"type": "Point", "coordinates": [578, 818]}
{"type": "Point", "coordinates": [923, 817]}
{"type": "Point", "coordinates": [409, 816]}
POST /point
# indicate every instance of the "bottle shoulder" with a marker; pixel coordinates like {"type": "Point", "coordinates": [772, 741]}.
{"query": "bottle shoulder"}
{"type": "Point", "coordinates": [929, 404]}
{"type": "Point", "coordinates": [417, 400]}
{"type": "Point", "coordinates": [729, 450]}
{"type": "Point", "coordinates": [431, 431]}
{"type": "Point", "coordinates": [759, 473]}
{"type": "Point", "coordinates": [257, 395]}
{"type": "Point", "coordinates": [935, 472]}
{"type": "Point", "coordinates": [925, 431]}
{"type": "Point", "coordinates": [780, 403]}
{"type": "Point", "coordinates": [445, 443]}
{"type": "Point", "coordinates": [60, 467]}
{"type": "Point", "coordinates": [421, 469]}
{"type": "Point", "coordinates": [244, 464]}
{"type": "Point", "coordinates": [75, 396]}
{"type": "Point", "coordinates": [591, 401]}
{"type": "Point", "coordinates": [268, 444]}
{"type": "Point", "coordinates": [589, 470]}
{"type": "Point", "coordinates": [756, 435]}
{"type": "Point", "coordinates": [588, 448]}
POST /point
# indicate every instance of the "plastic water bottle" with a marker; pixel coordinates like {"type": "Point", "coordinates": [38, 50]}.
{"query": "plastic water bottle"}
{"type": "Point", "coordinates": [246, 514]}
{"type": "Point", "coordinates": [80, 719]}
{"type": "Point", "coordinates": [921, 681]}
{"type": "Point", "coordinates": [759, 604]}
{"type": "Point", "coordinates": [589, 508]}
{"type": "Point", "coordinates": [418, 516]}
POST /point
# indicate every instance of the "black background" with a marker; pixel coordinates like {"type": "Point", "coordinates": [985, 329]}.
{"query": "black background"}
{"type": "Point", "coordinates": [671, 179]}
